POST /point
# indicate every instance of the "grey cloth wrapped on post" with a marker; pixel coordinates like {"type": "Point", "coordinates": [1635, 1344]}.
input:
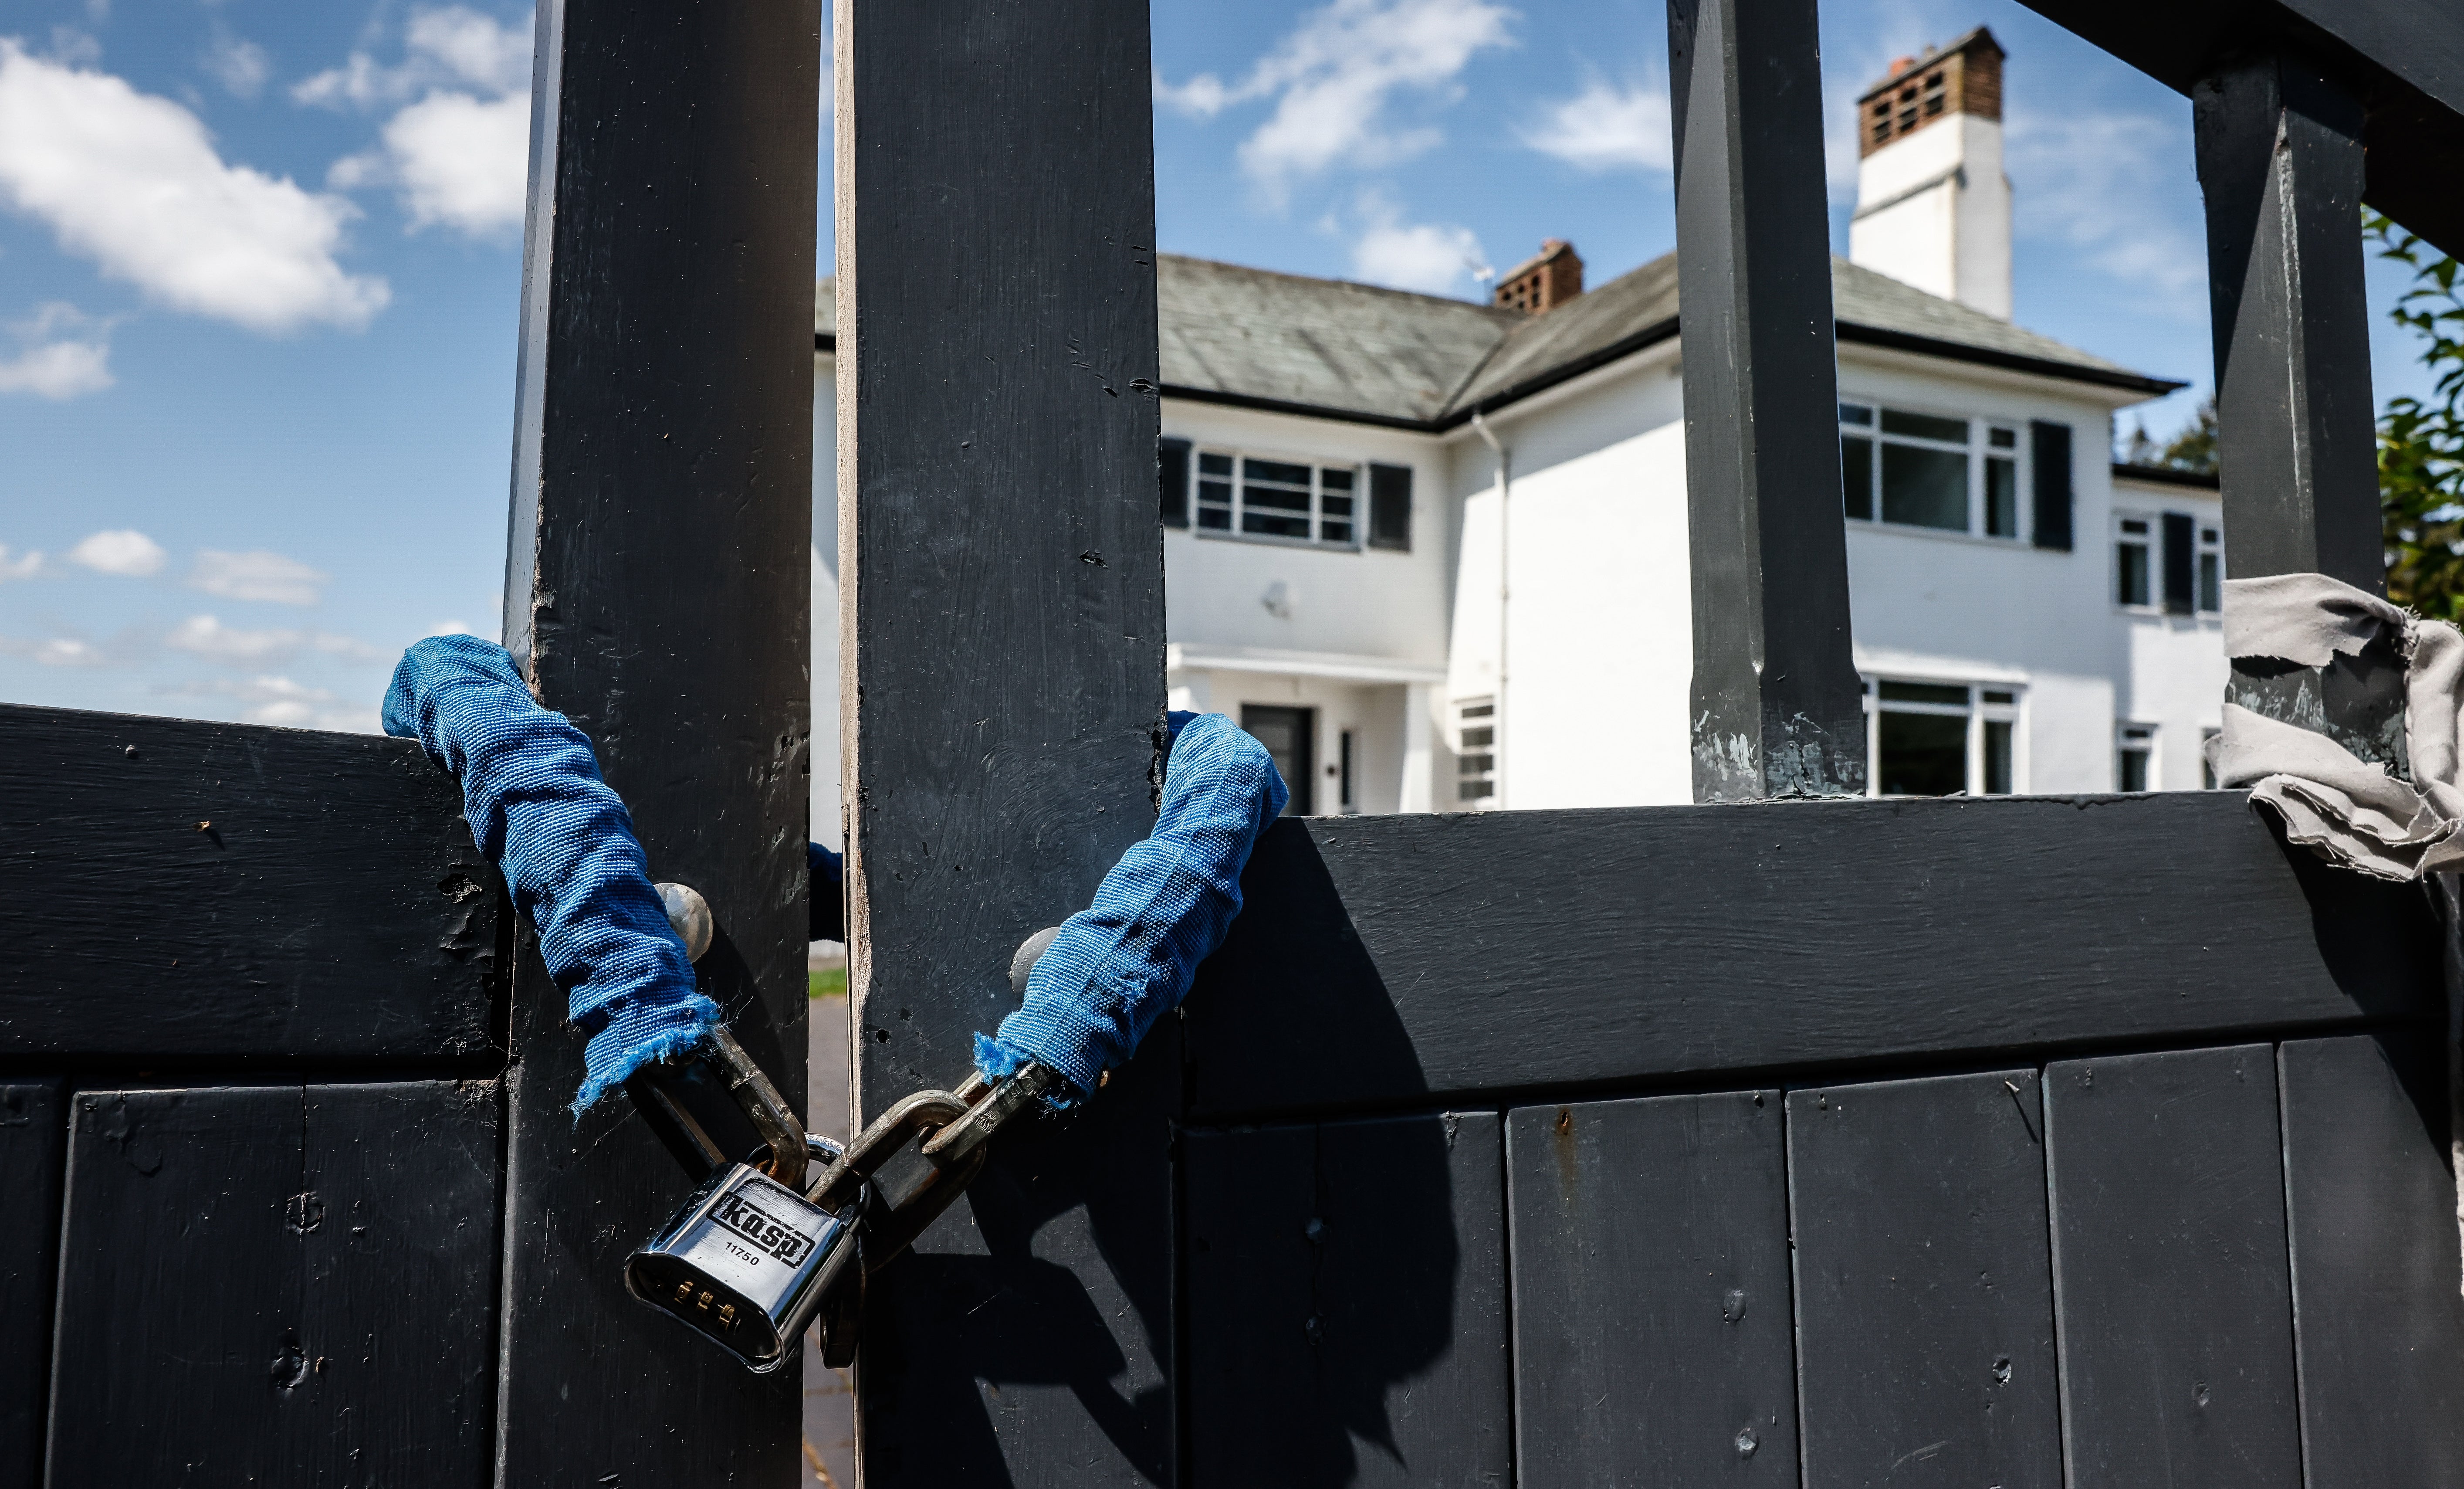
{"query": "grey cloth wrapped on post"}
{"type": "Point", "coordinates": [2357, 813]}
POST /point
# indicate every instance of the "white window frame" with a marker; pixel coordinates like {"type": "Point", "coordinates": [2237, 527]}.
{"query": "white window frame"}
{"type": "Point", "coordinates": [1318, 516]}
{"type": "Point", "coordinates": [1472, 715]}
{"type": "Point", "coordinates": [1988, 702]}
{"type": "Point", "coordinates": [2134, 735]}
{"type": "Point", "coordinates": [2150, 541]}
{"type": "Point", "coordinates": [2211, 551]}
{"type": "Point", "coordinates": [1980, 450]}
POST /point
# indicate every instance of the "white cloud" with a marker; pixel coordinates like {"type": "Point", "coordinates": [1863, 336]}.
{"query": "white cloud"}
{"type": "Point", "coordinates": [257, 575]}
{"type": "Point", "coordinates": [443, 627]}
{"type": "Point", "coordinates": [452, 47]}
{"type": "Point", "coordinates": [134, 183]}
{"type": "Point", "coordinates": [122, 551]}
{"type": "Point", "coordinates": [1607, 128]}
{"type": "Point", "coordinates": [2097, 182]}
{"type": "Point", "coordinates": [268, 698]}
{"type": "Point", "coordinates": [476, 49]}
{"type": "Point", "coordinates": [74, 47]}
{"type": "Point", "coordinates": [241, 67]}
{"type": "Point", "coordinates": [58, 370]}
{"type": "Point", "coordinates": [51, 364]}
{"type": "Point", "coordinates": [1334, 77]}
{"type": "Point", "coordinates": [456, 161]}
{"type": "Point", "coordinates": [26, 565]}
{"type": "Point", "coordinates": [459, 155]}
{"type": "Point", "coordinates": [207, 636]}
{"type": "Point", "coordinates": [57, 652]}
{"type": "Point", "coordinates": [1427, 257]}
{"type": "Point", "coordinates": [204, 636]}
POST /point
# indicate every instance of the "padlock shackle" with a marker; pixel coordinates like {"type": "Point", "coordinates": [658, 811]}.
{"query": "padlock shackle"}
{"type": "Point", "coordinates": [763, 1106]}
{"type": "Point", "coordinates": [921, 1111]}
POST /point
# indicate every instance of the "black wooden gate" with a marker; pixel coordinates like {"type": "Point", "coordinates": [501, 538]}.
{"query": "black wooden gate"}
{"type": "Point", "coordinates": [292, 1193]}
{"type": "Point", "coordinates": [1904, 1142]}
{"type": "Point", "coordinates": [2001, 1141]}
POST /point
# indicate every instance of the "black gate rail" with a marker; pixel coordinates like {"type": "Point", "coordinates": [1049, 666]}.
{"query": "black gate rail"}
{"type": "Point", "coordinates": [1382, 958]}
{"type": "Point", "coordinates": [190, 892]}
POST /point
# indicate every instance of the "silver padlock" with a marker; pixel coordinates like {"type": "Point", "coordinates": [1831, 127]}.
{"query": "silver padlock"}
{"type": "Point", "coordinates": [747, 1263]}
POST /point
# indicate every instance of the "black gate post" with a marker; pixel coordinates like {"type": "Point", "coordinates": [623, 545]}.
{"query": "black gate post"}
{"type": "Point", "coordinates": [1776, 709]}
{"type": "Point", "coordinates": [1001, 564]}
{"type": "Point", "coordinates": [656, 592]}
{"type": "Point", "coordinates": [2280, 151]}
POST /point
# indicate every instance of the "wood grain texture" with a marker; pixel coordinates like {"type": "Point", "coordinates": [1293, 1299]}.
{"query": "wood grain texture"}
{"type": "Point", "coordinates": [1924, 1304]}
{"type": "Point", "coordinates": [33, 1142]}
{"type": "Point", "coordinates": [2169, 1271]}
{"type": "Point", "coordinates": [657, 591]}
{"type": "Point", "coordinates": [1778, 709]}
{"type": "Point", "coordinates": [1347, 1303]}
{"type": "Point", "coordinates": [1002, 571]}
{"type": "Point", "coordinates": [1436, 956]}
{"type": "Point", "coordinates": [279, 1285]}
{"type": "Point", "coordinates": [1653, 1331]}
{"type": "Point", "coordinates": [276, 894]}
{"type": "Point", "coordinates": [2379, 1322]}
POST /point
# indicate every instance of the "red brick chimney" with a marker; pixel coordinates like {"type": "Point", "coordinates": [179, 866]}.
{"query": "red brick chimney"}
{"type": "Point", "coordinates": [1545, 280]}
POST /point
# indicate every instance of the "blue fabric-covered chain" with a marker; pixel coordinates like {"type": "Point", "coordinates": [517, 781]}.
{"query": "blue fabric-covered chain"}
{"type": "Point", "coordinates": [564, 843]}
{"type": "Point", "coordinates": [1127, 959]}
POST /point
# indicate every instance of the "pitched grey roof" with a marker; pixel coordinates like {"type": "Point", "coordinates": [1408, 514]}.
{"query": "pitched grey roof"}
{"type": "Point", "coordinates": [1626, 314]}
{"type": "Point", "coordinates": [1354, 351]}
{"type": "Point", "coordinates": [1284, 340]}
{"type": "Point", "coordinates": [1879, 310]}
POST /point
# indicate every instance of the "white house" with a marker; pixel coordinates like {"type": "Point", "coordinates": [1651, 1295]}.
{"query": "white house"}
{"type": "Point", "coordinates": [1434, 553]}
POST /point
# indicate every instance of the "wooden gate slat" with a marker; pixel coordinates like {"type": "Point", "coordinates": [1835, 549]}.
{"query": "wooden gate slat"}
{"type": "Point", "coordinates": [657, 589]}
{"type": "Point", "coordinates": [1923, 1299]}
{"type": "Point", "coordinates": [236, 892]}
{"type": "Point", "coordinates": [32, 1131]}
{"type": "Point", "coordinates": [1778, 709]}
{"type": "Point", "coordinates": [1446, 956]}
{"type": "Point", "coordinates": [278, 1284]}
{"type": "Point", "coordinates": [2170, 1274]}
{"type": "Point", "coordinates": [1003, 626]}
{"type": "Point", "coordinates": [1652, 1337]}
{"type": "Point", "coordinates": [1347, 1303]}
{"type": "Point", "coordinates": [2379, 1319]}
{"type": "Point", "coordinates": [2280, 163]}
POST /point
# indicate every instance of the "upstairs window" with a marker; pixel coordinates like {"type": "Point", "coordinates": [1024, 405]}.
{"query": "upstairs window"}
{"type": "Point", "coordinates": [1278, 500]}
{"type": "Point", "coordinates": [2167, 561]}
{"type": "Point", "coordinates": [2132, 569]}
{"type": "Point", "coordinates": [1929, 470]}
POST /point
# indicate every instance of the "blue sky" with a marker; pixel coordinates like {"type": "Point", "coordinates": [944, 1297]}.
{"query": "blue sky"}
{"type": "Point", "coordinates": [259, 263]}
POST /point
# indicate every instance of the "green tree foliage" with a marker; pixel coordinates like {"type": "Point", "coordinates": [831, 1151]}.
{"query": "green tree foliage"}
{"type": "Point", "coordinates": [2193, 448]}
{"type": "Point", "coordinates": [2421, 440]}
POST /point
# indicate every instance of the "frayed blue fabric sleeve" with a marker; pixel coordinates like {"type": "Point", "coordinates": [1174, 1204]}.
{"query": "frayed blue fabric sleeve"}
{"type": "Point", "coordinates": [562, 839]}
{"type": "Point", "coordinates": [1127, 959]}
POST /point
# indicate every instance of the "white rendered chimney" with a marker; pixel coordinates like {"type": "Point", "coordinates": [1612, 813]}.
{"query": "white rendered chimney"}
{"type": "Point", "coordinates": [1933, 209]}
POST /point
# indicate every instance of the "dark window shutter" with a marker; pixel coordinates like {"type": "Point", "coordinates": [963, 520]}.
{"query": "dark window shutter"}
{"type": "Point", "coordinates": [1390, 507]}
{"type": "Point", "coordinates": [2181, 564]}
{"type": "Point", "coordinates": [2049, 447]}
{"type": "Point", "coordinates": [1172, 474]}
